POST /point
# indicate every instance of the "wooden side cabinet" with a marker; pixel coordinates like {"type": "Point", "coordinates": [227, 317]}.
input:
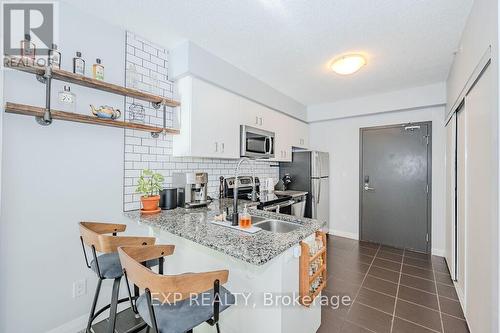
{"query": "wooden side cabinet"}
{"type": "Point", "coordinates": [312, 270]}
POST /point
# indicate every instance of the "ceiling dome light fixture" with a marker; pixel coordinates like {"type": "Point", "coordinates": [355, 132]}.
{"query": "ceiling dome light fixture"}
{"type": "Point", "coordinates": [348, 64]}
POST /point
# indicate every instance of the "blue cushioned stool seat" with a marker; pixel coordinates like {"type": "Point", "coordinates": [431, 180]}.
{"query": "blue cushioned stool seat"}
{"type": "Point", "coordinates": [110, 266]}
{"type": "Point", "coordinates": [186, 314]}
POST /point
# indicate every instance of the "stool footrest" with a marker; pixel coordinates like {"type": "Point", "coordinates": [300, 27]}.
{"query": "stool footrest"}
{"type": "Point", "coordinates": [126, 322]}
{"type": "Point", "coordinates": [106, 307]}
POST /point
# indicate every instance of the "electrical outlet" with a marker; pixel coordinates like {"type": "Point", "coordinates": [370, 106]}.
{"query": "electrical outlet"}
{"type": "Point", "coordinates": [79, 288]}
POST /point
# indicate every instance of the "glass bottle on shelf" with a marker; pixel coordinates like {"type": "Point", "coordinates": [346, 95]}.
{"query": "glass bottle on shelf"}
{"type": "Point", "coordinates": [54, 57]}
{"type": "Point", "coordinates": [67, 99]}
{"type": "Point", "coordinates": [132, 77]}
{"type": "Point", "coordinates": [155, 84]}
{"type": "Point", "coordinates": [136, 113]}
{"type": "Point", "coordinates": [78, 64]}
{"type": "Point", "coordinates": [28, 48]}
{"type": "Point", "coordinates": [98, 70]}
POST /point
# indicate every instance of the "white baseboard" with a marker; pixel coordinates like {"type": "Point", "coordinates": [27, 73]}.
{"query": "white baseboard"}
{"type": "Point", "coordinates": [438, 252]}
{"type": "Point", "coordinates": [74, 326]}
{"type": "Point", "coordinates": [460, 295]}
{"type": "Point", "coordinates": [355, 236]}
{"type": "Point", "coordinates": [345, 234]}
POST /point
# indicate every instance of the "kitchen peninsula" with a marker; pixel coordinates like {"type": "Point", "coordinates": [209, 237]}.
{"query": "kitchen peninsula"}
{"type": "Point", "coordinates": [263, 267]}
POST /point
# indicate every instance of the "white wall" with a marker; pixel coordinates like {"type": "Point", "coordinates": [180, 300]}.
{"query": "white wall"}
{"type": "Point", "coordinates": [341, 139]}
{"type": "Point", "coordinates": [399, 100]}
{"type": "Point", "coordinates": [54, 177]}
{"type": "Point", "coordinates": [480, 33]}
{"type": "Point", "coordinates": [1, 118]}
{"type": "Point", "coordinates": [189, 58]}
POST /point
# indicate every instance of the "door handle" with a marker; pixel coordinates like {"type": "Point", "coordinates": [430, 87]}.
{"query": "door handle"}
{"type": "Point", "coordinates": [267, 145]}
{"type": "Point", "coordinates": [319, 190]}
{"type": "Point", "coordinates": [368, 188]}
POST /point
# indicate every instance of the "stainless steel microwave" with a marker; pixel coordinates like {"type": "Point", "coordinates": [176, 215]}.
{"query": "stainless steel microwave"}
{"type": "Point", "coordinates": [256, 142]}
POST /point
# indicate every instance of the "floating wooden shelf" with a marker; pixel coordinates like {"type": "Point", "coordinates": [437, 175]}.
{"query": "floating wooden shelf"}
{"type": "Point", "coordinates": [305, 280]}
{"type": "Point", "coordinates": [27, 65]}
{"type": "Point", "coordinates": [29, 110]}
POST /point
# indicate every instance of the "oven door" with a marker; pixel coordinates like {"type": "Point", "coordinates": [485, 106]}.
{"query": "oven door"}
{"type": "Point", "coordinates": [256, 142]}
{"type": "Point", "coordinates": [283, 207]}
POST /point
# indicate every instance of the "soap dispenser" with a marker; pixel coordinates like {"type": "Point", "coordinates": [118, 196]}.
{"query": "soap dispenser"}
{"type": "Point", "coordinates": [245, 218]}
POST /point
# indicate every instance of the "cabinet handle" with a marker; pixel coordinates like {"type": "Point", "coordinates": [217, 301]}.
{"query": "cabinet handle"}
{"type": "Point", "coordinates": [222, 147]}
{"type": "Point", "coordinates": [216, 147]}
{"type": "Point", "coordinates": [261, 121]}
{"type": "Point", "coordinates": [256, 120]}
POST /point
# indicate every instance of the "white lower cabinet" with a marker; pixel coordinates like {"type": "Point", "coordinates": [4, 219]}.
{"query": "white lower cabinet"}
{"type": "Point", "coordinates": [211, 119]}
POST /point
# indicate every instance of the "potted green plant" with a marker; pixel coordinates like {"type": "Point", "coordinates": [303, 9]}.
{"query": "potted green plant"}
{"type": "Point", "coordinates": [149, 185]}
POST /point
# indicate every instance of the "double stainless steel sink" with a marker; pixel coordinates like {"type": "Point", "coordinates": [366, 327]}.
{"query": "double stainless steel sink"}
{"type": "Point", "coordinates": [273, 225]}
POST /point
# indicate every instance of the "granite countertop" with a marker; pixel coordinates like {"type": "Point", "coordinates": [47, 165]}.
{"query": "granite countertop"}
{"type": "Point", "coordinates": [259, 248]}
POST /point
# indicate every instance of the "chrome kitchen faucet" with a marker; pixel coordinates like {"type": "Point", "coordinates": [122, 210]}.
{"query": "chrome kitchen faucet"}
{"type": "Point", "coordinates": [235, 215]}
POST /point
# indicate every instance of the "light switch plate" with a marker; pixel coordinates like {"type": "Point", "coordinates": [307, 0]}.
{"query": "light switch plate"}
{"type": "Point", "coordinates": [79, 288]}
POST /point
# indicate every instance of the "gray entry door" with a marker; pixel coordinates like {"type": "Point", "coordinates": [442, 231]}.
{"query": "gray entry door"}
{"type": "Point", "coordinates": [395, 185]}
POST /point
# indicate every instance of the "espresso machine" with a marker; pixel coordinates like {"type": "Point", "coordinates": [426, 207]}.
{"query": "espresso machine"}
{"type": "Point", "coordinates": [194, 185]}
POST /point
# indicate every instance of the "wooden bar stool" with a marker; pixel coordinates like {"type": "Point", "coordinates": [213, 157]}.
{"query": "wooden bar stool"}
{"type": "Point", "coordinates": [102, 238]}
{"type": "Point", "coordinates": [174, 303]}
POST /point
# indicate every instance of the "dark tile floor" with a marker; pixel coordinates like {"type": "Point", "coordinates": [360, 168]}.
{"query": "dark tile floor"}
{"type": "Point", "coordinates": [392, 290]}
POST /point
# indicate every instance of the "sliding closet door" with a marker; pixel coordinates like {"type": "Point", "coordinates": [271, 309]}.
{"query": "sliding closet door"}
{"type": "Point", "coordinates": [461, 199]}
{"type": "Point", "coordinates": [451, 136]}
{"type": "Point", "coordinates": [481, 204]}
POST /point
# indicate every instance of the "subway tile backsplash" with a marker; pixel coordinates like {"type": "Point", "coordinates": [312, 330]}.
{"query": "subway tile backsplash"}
{"type": "Point", "coordinates": [142, 151]}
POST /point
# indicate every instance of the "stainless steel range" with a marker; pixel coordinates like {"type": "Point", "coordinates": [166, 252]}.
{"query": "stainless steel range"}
{"type": "Point", "coordinates": [266, 201]}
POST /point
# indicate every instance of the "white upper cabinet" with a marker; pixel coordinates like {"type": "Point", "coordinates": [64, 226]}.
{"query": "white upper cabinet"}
{"type": "Point", "coordinates": [211, 119]}
{"type": "Point", "coordinates": [301, 138]}
{"type": "Point", "coordinates": [209, 124]}
{"type": "Point", "coordinates": [256, 115]}
{"type": "Point", "coordinates": [289, 133]}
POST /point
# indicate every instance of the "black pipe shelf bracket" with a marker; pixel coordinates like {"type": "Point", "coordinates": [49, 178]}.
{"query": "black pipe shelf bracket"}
{"type": "Point", "coordinates": [46, 120]}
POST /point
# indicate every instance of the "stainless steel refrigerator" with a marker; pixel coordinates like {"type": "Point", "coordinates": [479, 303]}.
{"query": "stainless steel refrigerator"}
{"type": "Point", "coordinates": [309, 172]}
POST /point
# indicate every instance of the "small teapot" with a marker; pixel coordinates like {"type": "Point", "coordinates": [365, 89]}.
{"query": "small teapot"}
{"type": "Point", "coordinates": [105, 111]}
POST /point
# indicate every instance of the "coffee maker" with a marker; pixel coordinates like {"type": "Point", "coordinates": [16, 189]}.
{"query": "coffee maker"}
{"type": "Point", "coordinates": [194, 185]}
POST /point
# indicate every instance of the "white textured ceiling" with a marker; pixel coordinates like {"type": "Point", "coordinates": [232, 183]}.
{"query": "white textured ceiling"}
{"type": "Point", "coordinates": [288, 43]}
